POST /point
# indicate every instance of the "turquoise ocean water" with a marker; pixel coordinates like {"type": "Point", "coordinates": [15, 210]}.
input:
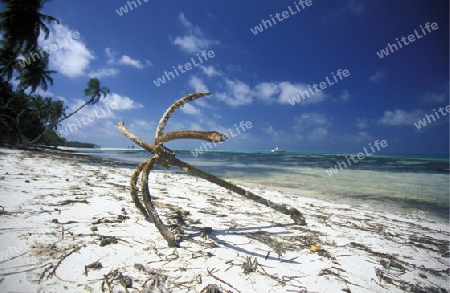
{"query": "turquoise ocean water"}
{"type": "Point", "coordinates": [411, 182]}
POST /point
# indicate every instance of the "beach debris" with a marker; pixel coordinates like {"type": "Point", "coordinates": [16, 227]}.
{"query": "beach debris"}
{"type": "Point", "coordinates": [72, 201]}
{"type": "Point", "coordinates": [212, 288]}
{"type": "Point", "coordinates": [315, 248]}
{"type": "Point", "coordinates": [156, 282]}
{"type": "Point", "coordinates": [116, 275]}
{"type": "Point", "coordinates": [165, 157]}
{"type": "Point", "coordinates": [250, 265]}
{"type": "Point", "coordinates": [93, 266]}
{"type": "Point", "coordinates": [118, 219]}
{"type": "Point", "coordinates": [50, 270]}
{"type": "Point", "coordinates": [269, 240]}
{"type": "Point", "coordinates": [206, 231]}
{"type": "Point", "coordinates": [125, 281]}
{"type": "Point", "coordinates": [106, 240]}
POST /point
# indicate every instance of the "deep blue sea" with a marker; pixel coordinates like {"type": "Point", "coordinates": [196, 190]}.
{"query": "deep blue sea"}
{"type": "Point", "coordinates": [414, 182]}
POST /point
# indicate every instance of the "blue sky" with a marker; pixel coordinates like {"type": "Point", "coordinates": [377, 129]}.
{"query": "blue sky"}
{"type": "Point", "coordinates": [254, 77]}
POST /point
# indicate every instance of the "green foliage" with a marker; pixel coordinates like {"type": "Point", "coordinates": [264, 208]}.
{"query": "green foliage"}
{"type": "Point", "coordinates": [77, 144]}
{"type": "Point", "coordinates": [26, 117]}
{"type": "Point", "coordinates": [95, 91]}
{"type": "Point", "coordinates": [21, 23]}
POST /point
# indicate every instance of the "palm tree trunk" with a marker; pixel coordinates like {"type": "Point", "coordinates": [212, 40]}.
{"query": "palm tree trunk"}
{"type": "Point", "coordinates": [39, 137]}
{"type": "Point", "coordinates": [16, 122]}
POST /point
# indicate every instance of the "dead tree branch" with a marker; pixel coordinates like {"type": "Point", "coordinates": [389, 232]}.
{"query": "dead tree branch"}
{"type": "Point", "coordinates": [165, 157]}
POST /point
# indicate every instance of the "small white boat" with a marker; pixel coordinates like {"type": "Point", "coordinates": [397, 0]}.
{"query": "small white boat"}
{"type": "Point", "coordinates": [277, 150]}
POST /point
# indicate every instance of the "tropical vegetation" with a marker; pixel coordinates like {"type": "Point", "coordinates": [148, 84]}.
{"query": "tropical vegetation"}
{"type": "Point", "coordinates": [27, 118]}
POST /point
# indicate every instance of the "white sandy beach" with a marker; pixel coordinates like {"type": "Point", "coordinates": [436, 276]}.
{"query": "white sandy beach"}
{"type": "Point", "coordinates": [69, 225]}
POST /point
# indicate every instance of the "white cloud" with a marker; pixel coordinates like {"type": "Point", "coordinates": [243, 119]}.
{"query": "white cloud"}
{"type": "Point", "coordinates": [127, 60]}
{"type": "Point", "coordinates": [94, 121]}
{"type": "Point", "coordinates": [285, 93]}
{"type": "Point", "coordinates": [192, 44]}
{"type": "Point", "coordinates": [99, 111]}
{"type": "Point", "coordinates": [193, 41]}
{"type": "Point", "coordinates": [400, 117]}
{"type": "Point", "coordinates": [362, 123]}
{"type": "Point", "coordinates": [210, 71]}
{"type": "Point", "coordinates": [345, 96]}
{"type": "Point", "coordinates": [238, 93]}
{"type": "Point", "coordinates": [72, 57]}
{"type": "Point", "coordinates": [43, 93]}
{"type": "Point", "coordinates": [378, 76]}
{"type": "Point", "coordinates": [112, 102]}
{"type": "Point", "coordinates": [140, 125]}
{"type": "Point", "coordinates": [188, 25]}
{"type": "Point", "coordinates": [289, 91]}
{"type": "Point", "coordinates": [307, 121]}
{"type": "Point", "coordinates": [312, 119]}
{"type": "Point", "coordinates": [197, 84]}
{"type": "Point", "coordinates": [266, 91]}
{"type": "Point", "coordinates": [110, 54]}
{"type": "Point", "coordinates": [190, 110]}
{"type": "Point", "coordinates": [104, 72]}
{"type": "Point", "coordinates": [122, 102]}
{"type": "Point", "coordinates": [279, 137]}
{"type": "Point", "coordinates": [434, 97]}
{"type": "Point", "coordinates": [360, 137]}
{"type": "Point", "coordinates": [318, 134]}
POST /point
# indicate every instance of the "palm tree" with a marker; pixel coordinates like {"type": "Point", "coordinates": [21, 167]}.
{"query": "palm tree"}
{"type": "Point", "coordinates": [8, 60]}
{"type": "Point", "coordinates": [95, 90]}
{"type": "Point", "coordinates": [33, 75]}
{"type": "Point", "coordinates": [36, 74]}
{"type": "Point", "coordinates": [22, 22]}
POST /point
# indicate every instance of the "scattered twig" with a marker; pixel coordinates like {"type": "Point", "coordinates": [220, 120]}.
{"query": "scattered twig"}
{"type": "Point", "coordinates": [55, 267]}
{"type": "Point", "coordinates": [220, 280]}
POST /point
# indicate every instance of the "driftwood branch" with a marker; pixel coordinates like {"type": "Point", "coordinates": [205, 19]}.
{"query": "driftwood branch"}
{"type": "Point", "coordinates": [212, 136]}
{"type": "Point", "coordinates": [186, 99]}
{"type": "Point", "coordinates": [294, 213]}
{"type": "Point", "coordinates": [145, 145]}
{"type": "Point", "coordinates": [165, 157]}
{"type": "Point", "coordinates": [165, 232]}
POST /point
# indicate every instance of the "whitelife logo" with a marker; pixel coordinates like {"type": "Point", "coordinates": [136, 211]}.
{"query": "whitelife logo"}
{"type": "Point", "coordinates": [49, 49]}
{"type": "Point", "coordinates": [411, 38]}
{"type": "Point", "coordinates": [423, 122]}
{"type": "Point", "coordinates": [323, 85]}
{"type": "Point", "coordinates": [285, 14]}
{"type": "Point", "coordinates": [188, 66]}
{"type": "Point", "coordinates": [122, 10]}
{"type": "Point", "coordinates": [360, 155]}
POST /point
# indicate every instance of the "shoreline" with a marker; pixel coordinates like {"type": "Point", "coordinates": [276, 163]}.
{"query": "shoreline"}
{"type": "Point", "coordinates": [391, 198]}
{"type": "Point", "coordinates": [69, 225]}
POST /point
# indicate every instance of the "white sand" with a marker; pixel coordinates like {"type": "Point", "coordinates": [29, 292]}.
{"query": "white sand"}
{"type": "Point", "coordinates": [46, 241]}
